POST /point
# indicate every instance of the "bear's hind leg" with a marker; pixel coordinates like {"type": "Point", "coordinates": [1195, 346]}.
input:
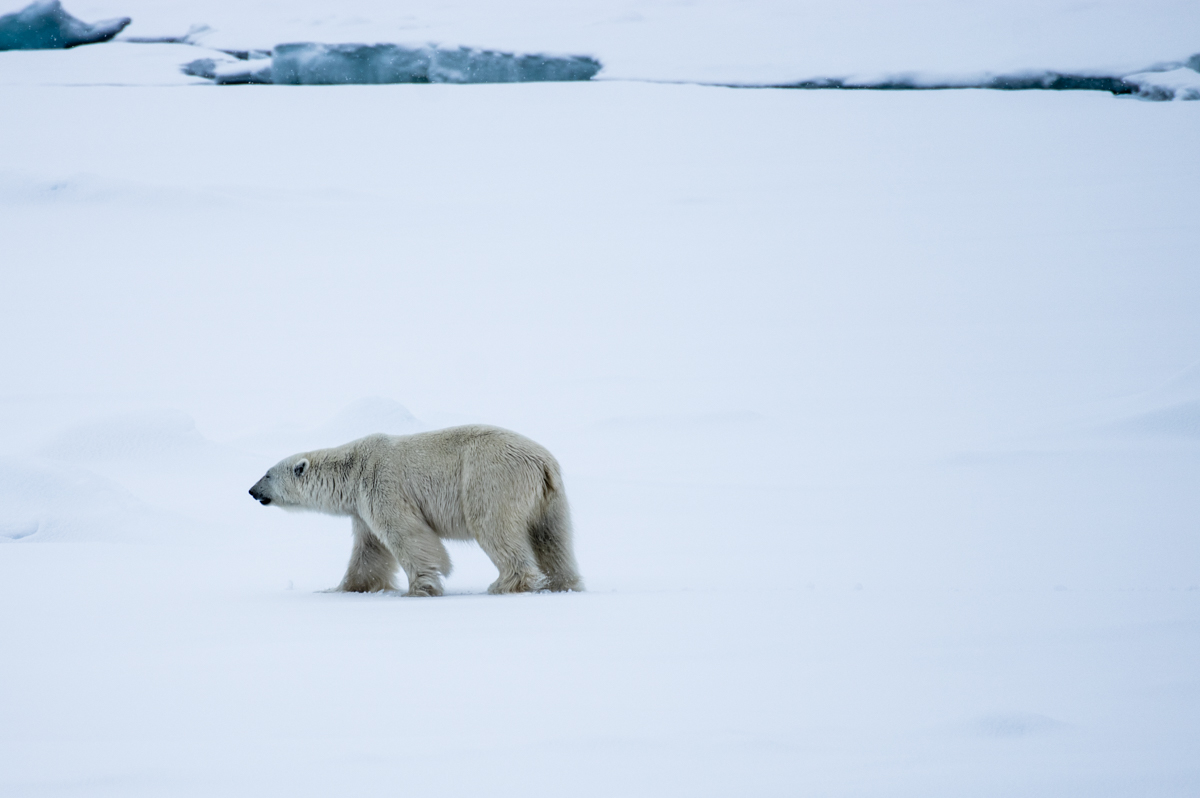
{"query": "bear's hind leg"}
{"type": "Point", "coordinates": [512, 555]}
{"type": "Point", "coordinates": [372, 564]}
{"type": "Point", "coordinates": [550, 536]}
{"type": "Point", "coordinates": [498, 501]}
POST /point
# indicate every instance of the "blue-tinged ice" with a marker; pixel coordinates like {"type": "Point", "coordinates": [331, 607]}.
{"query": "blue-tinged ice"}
{"type": "Point", "coordinates": [1182, 83]}
{"type": "Point", "coordinates": [44, 25]}
{"type": "Point", "coordinates": [323, 64]}
{"type": "Point", "coordinates": [230, 70]}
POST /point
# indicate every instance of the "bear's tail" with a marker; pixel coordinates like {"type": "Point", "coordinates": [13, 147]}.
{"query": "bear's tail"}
{"type": "Point", "coordinates": [550, 534]}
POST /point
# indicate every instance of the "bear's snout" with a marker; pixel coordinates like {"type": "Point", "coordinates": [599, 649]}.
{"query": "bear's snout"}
{"type": "Point", "coordinates": [258, 495]}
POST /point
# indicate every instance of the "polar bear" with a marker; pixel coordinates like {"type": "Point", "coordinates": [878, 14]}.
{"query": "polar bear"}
{"type": "Point", "coordinates": [406, 493]}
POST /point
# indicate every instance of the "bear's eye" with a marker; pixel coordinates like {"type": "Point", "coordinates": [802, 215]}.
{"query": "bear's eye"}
{"type": "Point", "coordinates": [298, 468]}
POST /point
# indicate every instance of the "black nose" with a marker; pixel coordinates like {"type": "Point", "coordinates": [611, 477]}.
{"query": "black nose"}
{"type": "Point", "coordinates": [258, 497]}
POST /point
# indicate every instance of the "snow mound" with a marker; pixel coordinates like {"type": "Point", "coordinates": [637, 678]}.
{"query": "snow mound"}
{"type": "Point", "coordinates": [1175, 84]}
{"type": "Point", "coordinates": [149, 475]}
{"type": "Point", "coordinates": [370, 415]}
{"type": "Point", "coordinates": [364, 417]}
{"type": "Point", "coordinates": [313, 63]}
{"type": "Point", "coordinates": [45, 25]}
{"type": "Point", "coordinates": [42, 501]}
{"type": "Point", "coordinates": [135, 436]}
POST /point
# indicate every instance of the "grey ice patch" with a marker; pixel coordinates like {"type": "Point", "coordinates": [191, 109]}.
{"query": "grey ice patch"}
{"type": "Point", "coordinates": [18, 530]}
{"type": "Point", "coordinates": [333, 64]}
{"type": "Point", "coordinates": [1012, 725]}
{"type": "Point", "coordinates": [29, 190]}
{"type": "Point", "coordinates": [466, 65]}
{"type": "Point", "coordinates": [308, 63]}
{"type": "Point", "coordinates": [1177, 421]}
{"type": "Point", "coordinates": [45, 25]}
{"type": "Point", "coordinates": [1170, 410]}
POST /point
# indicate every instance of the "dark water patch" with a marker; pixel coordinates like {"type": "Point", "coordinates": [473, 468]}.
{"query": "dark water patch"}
{"type": "Point", "coordinates": [1045, 81]}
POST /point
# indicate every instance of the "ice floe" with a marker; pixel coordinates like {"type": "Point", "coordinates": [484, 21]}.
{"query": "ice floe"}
{"type": "Point", "coordinates": [1175, 84]}
{"type": "Point", "coordinates": [316, 64]}
{"type": "Point", "coordinates": [45, 25]}
{"type": "Point", "coordinates": [1019, 81]}
{"type": "Point", "coordinates": [324, 62]}
{"type": "Point", "coordinates": [228, 69]}
{"type": "Point", "coordinates": [312, 63]}
{"type": "Point", "coordinates": [1169, 82]}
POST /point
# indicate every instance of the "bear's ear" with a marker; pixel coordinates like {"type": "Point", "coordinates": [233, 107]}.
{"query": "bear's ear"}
{"type": "Point", "coordinates": [300, 467]}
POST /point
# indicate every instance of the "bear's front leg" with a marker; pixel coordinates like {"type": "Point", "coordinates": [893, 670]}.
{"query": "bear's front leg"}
{"type": "Point", "coordinates": [419, 551]}
{"type": "Point", "coordinates": [372, 564]}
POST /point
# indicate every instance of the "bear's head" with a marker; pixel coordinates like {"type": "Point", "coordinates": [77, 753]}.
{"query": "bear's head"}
{"type": "Point", "coordinates": [283, 485]}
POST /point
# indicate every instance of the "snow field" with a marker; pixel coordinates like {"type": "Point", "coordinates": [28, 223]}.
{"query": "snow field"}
{"type": "Point", "coordinates": [785, 344]}
{"type": "Point", "coordinates": [187, 683]}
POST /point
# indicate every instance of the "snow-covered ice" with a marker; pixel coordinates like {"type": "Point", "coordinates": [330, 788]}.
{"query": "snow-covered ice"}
{"type": "Point", "coordinates": [112, 64]}
{"type": "Point", "coordinates": [928, 360]}
{"type": "Point", "coordinates": [850, 331]}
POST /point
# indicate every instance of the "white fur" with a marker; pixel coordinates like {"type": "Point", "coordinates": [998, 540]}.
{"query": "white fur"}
{"type": "Point", "coordinates": [406, 493]}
